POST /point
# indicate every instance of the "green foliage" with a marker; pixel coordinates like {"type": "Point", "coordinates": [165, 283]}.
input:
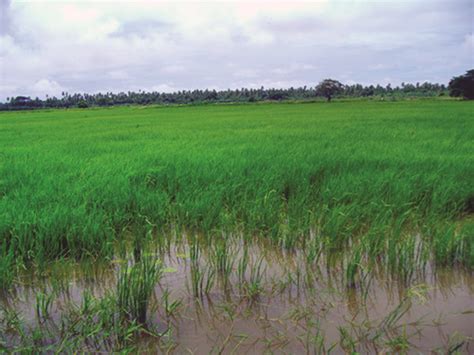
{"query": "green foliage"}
{"type": "Point", "coordinates": [463, 85]}
{"type": "Point", "coordinates": [72, 182]}
{"type": "Point", "coordinates": [82, 104]}
{"type": "Point", "coordinates": [135, 288]}
{"type": "Point", "coordinates": [329, 88]}
{"type": "Point", "coordinates": [204, 97]}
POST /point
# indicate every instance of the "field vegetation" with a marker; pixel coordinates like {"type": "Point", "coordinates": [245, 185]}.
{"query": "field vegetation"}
{"type": "Point", "coordinates": [378, 193]}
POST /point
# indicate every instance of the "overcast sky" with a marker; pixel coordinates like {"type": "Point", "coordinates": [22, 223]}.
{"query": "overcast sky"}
{"type": "Point", "coordinates": [47, 47]}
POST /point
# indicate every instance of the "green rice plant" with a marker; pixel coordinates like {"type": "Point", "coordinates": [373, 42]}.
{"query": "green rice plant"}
{"type": "Point", "coordinates": [466, 245]}
{"type": "Point", "coordinates": [197, 278]}
{"type": "Point", "coordinates": [242, 268]}
{"type": "Point", "coordinates": [254, 287]}
{"type": "Point", "coordinates": [286, 237]}
{"type": "Point", "coordinates": [454, 245]}
{"type": "Point", "coordinates": [197, 275]}
{"type": "Point", "coordinates": [96, 324]}
{"type": "Point", "coordinates": [43, 305]}
{"type": "Point", "coordinates": [210, 280]}
{"type": "Point", "coordinates": [202, 280]}
{"type": "Point", "coordinates": [353, 268]}
{"type": "Point", "coordinates": [395, 315]}
{"type": "Point", "coordinates": [170, 307]}
{"type": "Point", "coordinates": [88, 303]}
{"type": "Point", "coordinates": [346, 341]}
{"type": "Point", "coordinates": [11, 321]}
{"type": "Point", "coordinates": [7, 268]}
{"type": "Point", "coordinates": [299, 276]}
{"type": "Point", "coordinates": [314, 338]}
{"type": "Point", "coordinates": [222, 259]}
{"type": "Point", "coordinates": [135, 287]}
{"type": "Point", "coordinates": [313, 250]}
{"type": "Point", "coordinates": [399, 344]}
{"type": "Point", "coordinates": [455, 344]}
{"type": "Point", "coordinates": [391, 319]}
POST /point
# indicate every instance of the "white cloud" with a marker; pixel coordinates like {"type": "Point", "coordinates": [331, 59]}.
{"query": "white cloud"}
{"type": "Point", "coordinates": [173, 69]}
{"type": "Point", "coordinates": [168, 88]}
{"type": "Point", "coordinates": [246, 73]}
{"type": "Point", "coordinates": [292, 68]}
{"type": "Point", "coordinates": [118, 74]}
{"type": "Point", "coordinates": [469, 41]}
{"type": "Point", "coordinates": [47, 86]}
{"type": "Point", "coordinates": [7, 45]}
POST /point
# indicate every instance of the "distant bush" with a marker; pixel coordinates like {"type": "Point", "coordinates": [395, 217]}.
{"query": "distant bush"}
{"type": "Point", "coordinates": [82, 104]}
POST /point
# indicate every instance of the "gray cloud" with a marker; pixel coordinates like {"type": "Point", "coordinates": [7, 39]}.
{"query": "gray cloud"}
{"type": "Point", "coordinates": [46, 48]}
{"type": "Point", "coordinates": [142, 28]}
{"type": "Point", "coordinates": [5, 20]}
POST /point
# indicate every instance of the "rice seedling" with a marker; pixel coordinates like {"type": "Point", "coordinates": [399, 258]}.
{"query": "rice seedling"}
{"type": "Point", "coordinates": [11, 321]}
{"type": "Point", "coordinates": [242, 267]}
{"type": "Point", "coordinates": [197, 274]}
{"type": "Point", "coordinates": [222, 257]}
{"type": "Point", "coordinates": [352, 268]}
{"type": "Point", "coordinates": [313, 339]}
{"type": "Point", "coordinates": [43, 305]}
{"type": "Point", "coordinates": [254, 286]}
{"type": "Point", "coordinates": [313, 249]}
{"type": "Point", "coordinates": [456, 343]}
{"type": "Point", "coordinates": [170, 308]}
{"type": "Point", "coordinates": [135, 288]}
{"type": "Point", "coordinates": [7, 273]}
{"type": "Point", "coordinates": [399, 344]}
{"type": "Point", "coordinates": [347, 341]}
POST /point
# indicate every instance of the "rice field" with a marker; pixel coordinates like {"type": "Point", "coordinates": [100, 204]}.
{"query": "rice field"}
{"type": "Point", "coordinates": [289, 227]}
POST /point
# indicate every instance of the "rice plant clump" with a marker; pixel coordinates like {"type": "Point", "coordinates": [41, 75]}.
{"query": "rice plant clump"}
{"type": "Point", "coordinates": [135, 287]}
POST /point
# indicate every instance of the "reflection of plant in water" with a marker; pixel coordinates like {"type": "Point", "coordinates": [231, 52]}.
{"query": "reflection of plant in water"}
{"type": "Point", "coordinates": [456, 342]}
{"type": "Point", "coordinates": [385, 332]}
{"type": "Point", "coordinates": [346, 341]}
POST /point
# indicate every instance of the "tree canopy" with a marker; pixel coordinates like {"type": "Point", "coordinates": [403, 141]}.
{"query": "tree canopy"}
{"type": "Point", "coordinates": [328, 88]}
{"type": "Point", "coordinates": [463, 85]}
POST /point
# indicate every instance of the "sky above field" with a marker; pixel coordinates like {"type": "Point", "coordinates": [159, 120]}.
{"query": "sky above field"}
{"type": "Point", "coordinates": [47, 47]}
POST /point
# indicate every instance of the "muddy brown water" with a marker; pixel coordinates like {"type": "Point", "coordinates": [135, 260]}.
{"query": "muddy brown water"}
{"type": "Point", "coordinates": [289, 314]}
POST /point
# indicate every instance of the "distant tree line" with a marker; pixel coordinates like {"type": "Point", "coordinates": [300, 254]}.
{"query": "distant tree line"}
{"type": "Point", "coordinates": [223, 96]}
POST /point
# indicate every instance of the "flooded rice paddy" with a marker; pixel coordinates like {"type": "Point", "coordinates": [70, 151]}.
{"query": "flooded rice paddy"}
{"type": "Point", "coordinates": [322, 228]}
{"type": "Point", "coordinates": [239, 296]}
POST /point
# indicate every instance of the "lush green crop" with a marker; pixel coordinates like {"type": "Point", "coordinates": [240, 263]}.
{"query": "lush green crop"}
{"type": "Point", "coordinates": [339, 203]}
{"type": "Point", "coordinates": [376, 174]}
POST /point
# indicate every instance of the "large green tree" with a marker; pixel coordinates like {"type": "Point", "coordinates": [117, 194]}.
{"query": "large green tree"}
{"type": "Point", "coordinates": [463, 85]}
{"type": "Point", "coordinates": [328, 88]}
